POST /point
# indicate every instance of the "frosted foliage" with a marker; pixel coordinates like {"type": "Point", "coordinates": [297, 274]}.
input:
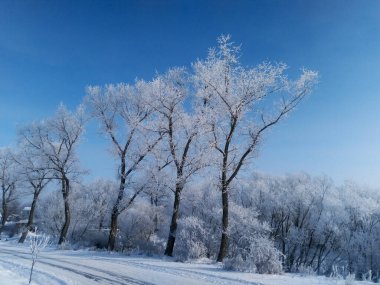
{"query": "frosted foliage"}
{"type": "Point", "coordinates": [255, 255]}
{"type": "Point", "coordinates": [317, 225]}
{"type": "Point", "coordinates": [123, 113]}
{"type": "Point", "coordinates": [63, 133]}
{"type": "Point", "coordinates": [250, 249]}
{"type": "Point", "coordinates": [245, 220]}
{"type": "Point", "coordinates": [180, 123]}
{"type": "Point", "coordinates": [202, 201]}
{"type": "Point", "coordinates": [254, 97]}
{"type": "Point", "coordinates": [9, 180]}
{"type": "Point", "coordinates": [128, 102]}
{"type": "Point", "coordinates": [138, 228]}
{"type": "Point", "coordinates": [90, 210]}
{"type": "Point", "coordinates": [7, 169]}
{"type": "Point", "coordinates": [49, 214]}
{"type": "Point", "coordinates": [191, 239]}
{"type": "Point", "coordinates": [53, 142]}
{"type": "Point", "coordinates": [36, 245]}
{"type": "Point", "coordinates": [240, 103]}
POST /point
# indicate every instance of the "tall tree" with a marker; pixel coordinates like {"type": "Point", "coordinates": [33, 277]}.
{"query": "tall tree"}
{"type": "Point", "coordinates": [125, 118]}
{"type": "Point", "coordinates": [8, 179]}
{"type": "Point", "coordinates": [181, 130]}
{"type": "Point", "coordinates": [34, 174]}
{"type": "Point", "coordinates": [239, 103]}
{"type": "Point", "coordinates": [55, 141]}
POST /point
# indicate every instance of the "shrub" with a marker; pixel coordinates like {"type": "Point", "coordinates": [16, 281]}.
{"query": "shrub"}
{"type": "Point", "coordinates": [190, 243]}
{"type": "Point", "coordinates": [258, 256]}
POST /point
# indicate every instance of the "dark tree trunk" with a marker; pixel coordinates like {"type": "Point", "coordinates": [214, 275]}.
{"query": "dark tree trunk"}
{"type": "Point", "coordinates": [4, 214]}
{"type": "Point", "coordinates": [291, 258]}
{"type": "Point", "coordinates": [30, 219]}
{"type": "Point", "coordinates": [66, 224]}
{"type": "Point", "coordinates": [180, 183]}
{"type": "Point", "coordinates": [225, 182]}
{"type": "Point", "coordinates": [224, 240]}
{"type": "Point", "coordinates": [101, 224]}
{"type": "Point", "coordinates": [115, 209]}
{"type": "Point", "coordinates": [113, 230]}
{"type": "Point", "coordinates": [154, 202]}
{"type": "Point", "coordinates": [173, 224]}
{"type": "Point", "coordinates": [319, 260]}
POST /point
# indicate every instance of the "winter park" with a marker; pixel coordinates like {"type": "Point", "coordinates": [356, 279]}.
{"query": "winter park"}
{"type": "Point", "coordinates": [189, 142]}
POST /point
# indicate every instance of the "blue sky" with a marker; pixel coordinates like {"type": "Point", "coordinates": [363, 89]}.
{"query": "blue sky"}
{"type": "Point", "coordinates": [51, 50]}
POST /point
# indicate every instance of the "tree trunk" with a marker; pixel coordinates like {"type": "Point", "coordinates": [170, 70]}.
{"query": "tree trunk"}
{"type": "Point", "coordinates": [30, 219]}
{"type": "Point", "coordinates": [113, 230]}
{"type": "Point", "coordinates": [173, 224]}
{"type": "Point", "coordinates": [65, 194]}
{"type": "Point", "coordinates": [115, 209]}
{"type": "Point", "coordinates": [4, 214]}
{"type": "Point", "coordinates": [224, 240]}
{"type": "Point", "coordinates": [155, 220]}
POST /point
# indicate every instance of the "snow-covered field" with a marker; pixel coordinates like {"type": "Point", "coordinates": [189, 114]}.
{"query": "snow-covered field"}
{"type": "Point", "coordinates": [89, 267]}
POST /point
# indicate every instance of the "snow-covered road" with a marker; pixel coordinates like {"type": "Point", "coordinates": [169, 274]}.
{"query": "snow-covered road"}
{"type": "Point", "coordinates": [84, 267]}
{"type": "Point", "coordinates": [87, 267]}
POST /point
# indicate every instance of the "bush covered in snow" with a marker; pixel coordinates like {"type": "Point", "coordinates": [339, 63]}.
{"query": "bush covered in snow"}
{"type": "Point", "coordinates": [260, 257]}
{"type": "Point", "coordinates": [250, 249]}
{"type": "Point", "coordinates": [190, 243]}
{"type": "Point", "coordinates": [254, 254]}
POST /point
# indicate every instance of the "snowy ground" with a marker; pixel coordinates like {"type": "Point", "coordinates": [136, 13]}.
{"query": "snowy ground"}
{"type": "Point", "coordinates": [87, 267]}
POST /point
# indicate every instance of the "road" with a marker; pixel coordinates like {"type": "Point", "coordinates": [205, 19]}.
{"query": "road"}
{"type": "Point", "coordinates": [86, 267]}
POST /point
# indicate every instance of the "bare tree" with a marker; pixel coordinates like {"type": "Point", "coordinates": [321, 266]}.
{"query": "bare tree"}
{"type": "Point", "coordinates": [125, 117]}
{"type": "Point", "coordinates": [34, 173]}
{"type": "Point", "coordinates": [239, 104]}
{"type": "Point", "coordinates": [55, 141]}
{"type": "Point", "coordinates": [181, 130]}
{"type": "Point", "coordinates": [8, 179]}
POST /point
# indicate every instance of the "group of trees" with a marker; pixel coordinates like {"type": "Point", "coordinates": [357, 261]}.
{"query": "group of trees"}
{"type": "Point", "coordinates": [330, 229]}
{"type": "Point", "coordinates": [180, 142]}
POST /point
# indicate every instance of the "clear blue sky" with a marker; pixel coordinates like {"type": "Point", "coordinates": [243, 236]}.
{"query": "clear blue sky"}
{"type": "Point", "coordinates": [50, 50]}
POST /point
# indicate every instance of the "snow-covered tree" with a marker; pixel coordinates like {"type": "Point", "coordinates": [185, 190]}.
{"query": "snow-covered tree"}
{"type": "Point", "coordinates": [8, 180]}
{"type": "Point", "coordinates": [239, 105]}
{"type": "Point", "coordinates": [92, 206]}
{"type": "Point", "coordinates": [157, 190]}
{"type": "Point", "coordinates": [360, 228]}
{"type": "Point", "coordinates": [125, 117]}
{"type": "Point", "coordinates": [199, 225]}
{"type": "Point", "coordinates": [318, 227]}
{"type": "Point", "coordinates": [55, 141]}
{"type": "Point", "coordinates": [34, 175]}
{"type": "Point", "coordinates": [181, 129]}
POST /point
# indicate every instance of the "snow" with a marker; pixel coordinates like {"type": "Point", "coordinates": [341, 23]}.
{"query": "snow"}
{"type": "Point", "coordinates": [68, 267]}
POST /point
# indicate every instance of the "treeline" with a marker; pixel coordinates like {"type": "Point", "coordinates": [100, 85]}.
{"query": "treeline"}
{"type": "Point", "coordinates": [180, 142]}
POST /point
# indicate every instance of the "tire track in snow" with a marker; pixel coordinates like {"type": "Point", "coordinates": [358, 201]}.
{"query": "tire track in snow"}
{"type": "Point", "coordinates": [191, 273]}
{"type": "Point", "coordinates": [177, 272]}
{"type": "Point", "coordinates": [173, 271]}
{"type": "Point", "coordinates": [183, 272]}
{"type": "Point", "coordinates": [6, 264]}
{"type": "Point", "coordinates": [85, 274]}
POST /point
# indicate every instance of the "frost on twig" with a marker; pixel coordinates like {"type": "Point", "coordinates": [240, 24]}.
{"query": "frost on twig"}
{"type": "Point", "coordinates": [37, 243]}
